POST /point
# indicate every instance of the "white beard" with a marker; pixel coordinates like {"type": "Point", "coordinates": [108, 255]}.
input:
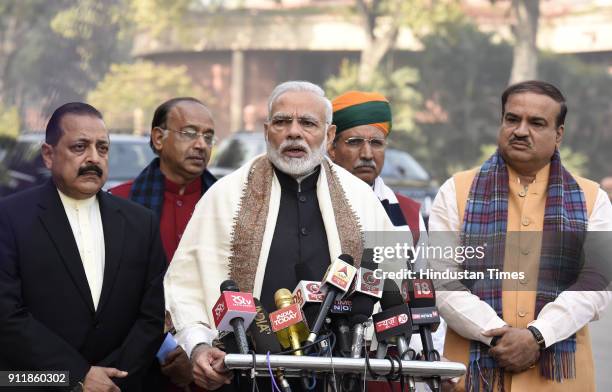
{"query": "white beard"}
{"type": "Point", "coordinates": [296, 167]}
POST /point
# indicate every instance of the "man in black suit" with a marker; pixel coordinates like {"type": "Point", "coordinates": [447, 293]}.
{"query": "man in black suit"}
{"type": "Point", "coordinates": [80, 270]}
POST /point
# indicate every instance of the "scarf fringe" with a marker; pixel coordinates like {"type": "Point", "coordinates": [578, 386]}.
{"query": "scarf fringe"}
{"type": "Point", "coordinates": [558, 366]}
{"type": "Point", "coordinates": [490, 378]}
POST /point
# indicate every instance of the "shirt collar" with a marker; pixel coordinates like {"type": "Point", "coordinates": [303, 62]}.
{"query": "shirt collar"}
{"type": "Point", "coordinates": [306, 183]}
{"type": "Point", "coordinates": [194, 186]}
{"type": "Point", "coordinates": [76, 203]}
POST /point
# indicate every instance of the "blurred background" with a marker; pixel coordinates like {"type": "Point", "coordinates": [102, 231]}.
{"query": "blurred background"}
{"type": "Point", "coordinates": [443, 65]}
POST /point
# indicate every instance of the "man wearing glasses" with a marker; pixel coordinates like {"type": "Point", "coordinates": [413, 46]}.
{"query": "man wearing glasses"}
{"type": "Point", "coordinates": [182, 135]}
{"type": "Point", "coordinates": [279, 219]}
{"type": "Point", "coordinates": [363, 122]}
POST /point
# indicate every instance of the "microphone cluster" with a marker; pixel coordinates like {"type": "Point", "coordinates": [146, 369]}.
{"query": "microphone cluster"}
{"type": "Point", "coordinates": [330, 317]}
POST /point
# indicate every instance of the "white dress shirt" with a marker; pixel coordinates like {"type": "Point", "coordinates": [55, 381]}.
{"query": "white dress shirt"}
{"type": "Point", "coordinates": [86, 223]}
{"type": "Point", "coordinates": [558, 320]}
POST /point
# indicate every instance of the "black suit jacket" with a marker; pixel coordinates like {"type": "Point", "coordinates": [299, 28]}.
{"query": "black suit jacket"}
{"type": "Point", "coordinates": [47, 316]}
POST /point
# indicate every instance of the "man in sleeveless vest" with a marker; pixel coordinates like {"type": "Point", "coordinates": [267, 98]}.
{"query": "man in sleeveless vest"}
{"type": "Point", "coordinates": [290, 207]}
{"type": "Point", "coordinates": [530, 333]}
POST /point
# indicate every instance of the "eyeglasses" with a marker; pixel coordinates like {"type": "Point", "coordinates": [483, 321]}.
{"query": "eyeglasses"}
{"type": "Point", "coordinates": [189, 134]}
{"type": "Point", "coordinates": [281, 123]}
{"type": "Point", "coordinates": [356, 142]}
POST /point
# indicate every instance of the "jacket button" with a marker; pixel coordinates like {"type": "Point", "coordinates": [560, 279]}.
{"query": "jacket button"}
{"type": "Point", "coordinates": [522, 314]}
{"type": "Point", "coordinates": [526, 221]}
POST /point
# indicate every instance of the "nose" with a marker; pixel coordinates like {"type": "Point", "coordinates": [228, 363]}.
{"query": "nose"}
{"type": "Point", "coordinates": [200, 143]}
{"type": "Point", "coordinates": [295, 130]}
{"type": "Point", "coordinates": [522, 129]}
{"type": "Point", "coordinates": [93, 156]}
{"type": "Point", "coordinates": [366, 151]}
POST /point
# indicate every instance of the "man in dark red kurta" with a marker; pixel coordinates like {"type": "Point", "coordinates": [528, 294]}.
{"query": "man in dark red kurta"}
{"type": "Point", "coordinates": [182, 135]}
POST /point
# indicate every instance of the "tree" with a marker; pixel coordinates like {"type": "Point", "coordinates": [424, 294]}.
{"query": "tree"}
{"type": "Point", "coordinates": [382, 19]}
{"type": "Point", "coordinates": [129, 93]}
{"type": "Point", "coordinates": [525, 16]}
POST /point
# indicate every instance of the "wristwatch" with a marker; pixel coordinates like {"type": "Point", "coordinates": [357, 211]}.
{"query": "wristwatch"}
{"type": "Point", "coordinates": [538, 336]}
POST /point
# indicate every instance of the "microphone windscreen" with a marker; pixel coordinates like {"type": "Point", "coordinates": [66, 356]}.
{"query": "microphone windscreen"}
{"type": "Point", "coordinates": [363, 306]}
{"type": "Point", "coordinates": [228, 285]}
{"type": "Point", "coordinates": [260, 331]}
{"type": "Point", "coordinates": [391, 295]}
{"type": "Point", "coordinates": [347, 259]}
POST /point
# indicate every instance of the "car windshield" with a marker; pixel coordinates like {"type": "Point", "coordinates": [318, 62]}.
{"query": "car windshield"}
{"type": "Point", "coordinates": [127, 159]}
{"type": "Point", "coordinates": [400, 165]}
{"type": "Point", "coordinates": [238, 150]}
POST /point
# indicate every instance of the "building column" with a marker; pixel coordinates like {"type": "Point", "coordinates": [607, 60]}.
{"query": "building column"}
{"type": "Point", "coordinates": [237, 90]}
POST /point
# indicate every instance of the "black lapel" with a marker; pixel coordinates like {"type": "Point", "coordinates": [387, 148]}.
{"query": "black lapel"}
{"type": "Point", "coordinates": [113, 226]}
{"type": "Point", "coordinates": [54, 219]}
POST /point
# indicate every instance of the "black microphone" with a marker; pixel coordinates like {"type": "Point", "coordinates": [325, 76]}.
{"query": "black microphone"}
{"type": "Point", "coordinates": [334, 285]}
{"type": "Point", "coordinates": [422, 301]}
{"type": "Point", "coordinates": [232, 311]}
{"type": "Point", "coordinates": [394, 321]}
{"type": "Point", "coordinates": [264, 340]}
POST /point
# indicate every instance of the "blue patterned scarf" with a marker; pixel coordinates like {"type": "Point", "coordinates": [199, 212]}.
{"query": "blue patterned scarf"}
{"type": "Point", "coordinates": [148, 187]}
{"type": "Point", "coordinates": [565, 225]}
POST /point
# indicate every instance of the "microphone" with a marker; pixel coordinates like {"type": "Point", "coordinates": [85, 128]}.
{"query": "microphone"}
{"type": "Point", "coordinates": [288, 321]}
{"type": "Point", "coordinates": [264, 340]}
{"type": "Point", "coordinates": [233, 311]}
{"type": "Point", "coordinates": [362, 309]}
{"type": "Point", "coordinates": [422, 300]}
{"type": "Point", "coordinates": [366, 281]}
{"type": "Point", "coordinates": [334, 285]}
{"type": "Point", "coordinates": [394, 320]}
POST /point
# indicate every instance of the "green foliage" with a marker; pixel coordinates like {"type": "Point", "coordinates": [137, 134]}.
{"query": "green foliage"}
{"type": "Point", "coordinates": [139, 87]}
{"type": "Point", "coordinates": [588, 125]}
{"type": "Point", "coordinates": [9, 121]}
{"type": "Point", "coordinates": [397, 86]}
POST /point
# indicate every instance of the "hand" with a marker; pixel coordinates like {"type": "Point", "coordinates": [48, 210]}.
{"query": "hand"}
{"type": "Point", "coordinates": [178, 368]}
{"type": "Point", "coordinates": [516, 350]}
{"type": "Point", "coordinates": [98, 379]}
{"type": "Point", "coordinates": [451, 384]}
{"type": "Point", "coordinates": [208, 369]}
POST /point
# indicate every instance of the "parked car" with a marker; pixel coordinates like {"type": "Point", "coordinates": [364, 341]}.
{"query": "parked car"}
{"type": "Point", "coordinates": [401, 171]}
{"type": "Point", "coordinates": [22, 166]}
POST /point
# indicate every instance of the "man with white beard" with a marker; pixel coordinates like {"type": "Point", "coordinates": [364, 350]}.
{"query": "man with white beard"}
{"type": "Point", "coordinates": [291, 206]}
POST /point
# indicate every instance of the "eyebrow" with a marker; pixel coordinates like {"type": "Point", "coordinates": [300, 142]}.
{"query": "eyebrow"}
{"type": "Point", "coordinates": [206, 130]}
{"type": "Point", "coordinates": [305, 116]}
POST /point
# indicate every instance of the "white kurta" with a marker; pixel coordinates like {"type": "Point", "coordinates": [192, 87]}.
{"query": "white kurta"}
{"type": "Point", "coordinates": [86, 224]}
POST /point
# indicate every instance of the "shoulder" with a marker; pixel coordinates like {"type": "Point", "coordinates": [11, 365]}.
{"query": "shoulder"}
{"type": "Point", "coordinates": [407, 200]}
{"type": "Point", "coordinates": [122, 190]}
{"type": "Point", "coordinates": [17, 201]}
{"type": "Point", "coordinates": [125, 206]}
{"type": "Point", "coordinates": [590, 189]}
{"type": "Point", "coordinates": [465, 176]}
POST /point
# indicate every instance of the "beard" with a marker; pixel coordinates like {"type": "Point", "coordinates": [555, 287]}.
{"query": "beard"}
{"type": "Point", "coordinates": [296, 167]}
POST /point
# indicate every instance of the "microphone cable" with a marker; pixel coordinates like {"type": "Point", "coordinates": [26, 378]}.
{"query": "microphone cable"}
{"type": "Point", "coordinates": [253, 371]}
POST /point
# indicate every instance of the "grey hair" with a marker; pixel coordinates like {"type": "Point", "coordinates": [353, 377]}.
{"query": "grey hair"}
{"type": "Point", "coordinates": [297, 86]}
